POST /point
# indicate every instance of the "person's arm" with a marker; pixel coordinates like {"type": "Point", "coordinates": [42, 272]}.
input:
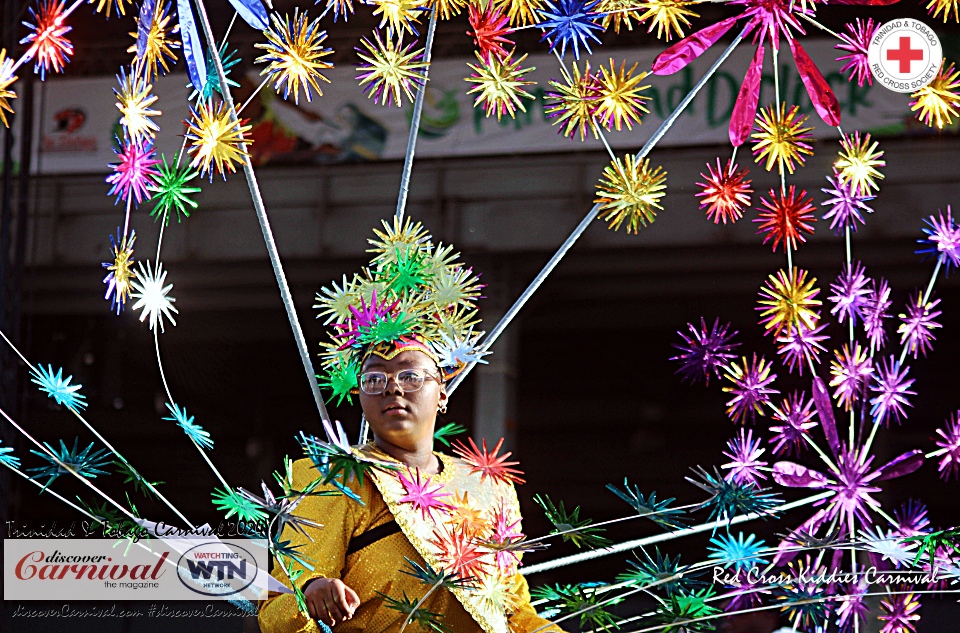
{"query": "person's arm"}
{"type": "Point", "coordinates": [525, 618]}
{"type": "Point", "coordinates": [326, 552]}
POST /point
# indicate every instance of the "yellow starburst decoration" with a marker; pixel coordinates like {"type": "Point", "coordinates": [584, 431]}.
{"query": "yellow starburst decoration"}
{"type": "Point", "coordinates": [295, 52]}
{"type": "Point", "coordinates": [447, 9]}
{"type": "Point", "coordinates": [400, 15]}
{"type": "Point", "coordinates": [629, 192]}
{"type": "Point", "coordinates": [134, 101]}
{"type": "Point", "coordinates": [857, 164]}
{"type": "Point", "coordinates": [6, 80]}
{"type": "Point", "coordinates": [936, 7]}
{"type": "Point", "coordinates": [520, 12]}
{"type": "Point", "coordinates": [789, 302]}
{"type": "Point", "coordinates": [390, 69]}
{"type": "Point", "coordinates": [105, 6]}
{"type": "Point", "coordinates": [396, 239]}
{"type": "Point", "coordinates": [574, 101]}
{"type": "Point", "coordinates": [499, 84]}
{"type": "Point", "coordinates": [938, 101]}
{"type": "Point", "coordinates": [619, 13]}
{"type": "Point", "coordinates": [216, 141]}
{"type": "Point", "coordinates": [669, 16]}
{"type": "Point", "coordinates": [620, 99]}
{"type": "Point", "coordinates": [158, 51]}
{"type": "Point", "coordinates": [334, 301]}
{"type": "Point", "coordinates": [780, 138]}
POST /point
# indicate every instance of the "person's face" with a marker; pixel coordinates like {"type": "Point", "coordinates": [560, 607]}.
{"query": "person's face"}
{"type": "Point", "coordinates": [405, 419]}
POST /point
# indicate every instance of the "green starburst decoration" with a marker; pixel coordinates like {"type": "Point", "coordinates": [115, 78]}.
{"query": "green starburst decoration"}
{"type": "Point", "coordinates": [448, 430]}
{"type": "Point", "coordinates": [407, 272]}
{"type": "Point", "coordinates": [140, 484]}
{"type": "Point", "coordinates": [686, 613]}
{"type": "Point", "coordinates": [233, 503]}
{"type": "Point", "coordinates": [341, 379]}
{"type": "Point", "coordinates": [430, 577]}
{"type": "Point", "coordinates": [170, 191]}
{"type": "Point", "coordinates": [388, 328]}
{"type": "Point", "coordinates": [657, 511]}
{"type": "Point", "coordinates": [584, 600]}
{"type": "Point", "coordinates": [574, 529]}
{"type": "Point", "coordinates": [427, 620]}
{"type": "Point", "coordinates": [194, 431]}
{"type": "Point", "coordinates": [729, 498]}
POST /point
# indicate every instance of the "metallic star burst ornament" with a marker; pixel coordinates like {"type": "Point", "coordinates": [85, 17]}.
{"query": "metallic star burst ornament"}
{"type": "Point", "coordinates": [295, 52]}
{"type": "Point", "coordinates": [750, 389]}
{"type": "Point", "coordinates": [105, 6]}
{"type": "Point", "coordinates": [120, 270]}
{"type": "Point", "coordinates": [570, 22]}
{"type": "Point", "coordinates": [629, 192]}
{"type": "Point", "coordinates": [498, 84]}
{"type": "Point", "coordinates": [619, 13]}
{"type": "Point", "coordinates": [211, 83]}
{"type": "Point", "coordinates": [573, 104]}
{"type": "Point", "coordinates": [152, 295]}
{"type": "Point", "coordinates": [786, 217]}
{"type": "Point", "coordinates": [788, 301]}
{"type": "Point", "coordinates": [447, 9]}
{"type": "Point", "coordinates": [58, 388]}
{"type": "Point", "coordinates": [936, 7]}
{"type": "Point", "coordinates": [390, 69]}
{"type": "Point", "coordinates": [520, 12]}
{"type": "Point", "coordinates": [215, 139]}
{"type": "Point", "coordinates": [48, 44]}
{"type": "Point", "coordinates": [725, 192]}
{"type": "Point", "coordinates": [856, 41]}
{"type": "Point", "coordinates": [781, 137]}
{"type": "Point", "coordinates": [857, 163]}
{"type": "Point", "coordinates": [170, 191]}
{"type": "Point", "coordinates": [938, 102]}
{"type": "Point", "coordinates": [489, 31]}
{"type": "Point", "coordinates": [159, 45]}
{"type": "Point", "coordinates": [134, 101]}
{"type": "Point", "coordinates": [135, 172]}
{"type": "Point", "coordinates": [400, 15]}
{"type": "Point", "coordinates": [620, 99]}
{"type": "Point", "coordinates": [7, 78]}
{"type": "Point", "coordinates": [669, 16]}
{"type": "Point", "coordinates": [846, 207]}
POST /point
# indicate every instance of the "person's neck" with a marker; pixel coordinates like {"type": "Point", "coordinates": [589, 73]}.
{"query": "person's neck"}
{"type": "Point", "coordinates": [421, 457]}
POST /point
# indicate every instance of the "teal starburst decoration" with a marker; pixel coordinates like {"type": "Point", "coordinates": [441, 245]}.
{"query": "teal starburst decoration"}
{"type": "Point", "coordinates": [742, 552]}
{"type": "Point", "coordinates": [430, 577]}
{"type": "Point", "coordinates": [427, 620]}
{"type": "Point", "coordinates": [657, 511]}
{"type": "Point", "coordinates": [574, 529]}
{"type": "Point", "coordinates": [7, 457]}
{"type": "Point", "coordinates": [87, 463]}
{"type": "Point", "coordinates": [233, 503]}
{"type": "Point", "coordinates": [286, 550]}
{"type": "Point", "coordinates": [194, 431]}
{"type": "Point", "coordinates": [227, 61]}
{"type": "Point", "coordinates": [729, 498]}
{"type": "Point", "coordinates": [341, 380]}
{"type": "Point", "coordinates": [448, 430]}
{"type": "Point", "coordinates": [130, 475]}
{"type": "Point", "coordinates": [667, 572]}
{"type": "Point", "coordinates": [584, 600]}
{"type": "Point", "coordinates": [170, 191]}
{"type": "Point", "coordinates": [58, 387]}
{"type": "Point", "coordinates": [687, 613]}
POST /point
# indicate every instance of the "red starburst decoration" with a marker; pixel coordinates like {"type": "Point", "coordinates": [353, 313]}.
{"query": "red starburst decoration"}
{"type": "Point", "coordinates": [47, 42]}
{"type": "Point", "coordinates": [135, 173]}
{"type": "Point", "coordinates": [786, 217]}
{"type": "Point", "coordinates": [490, 27]}
{"type": "Point", "coordinates": [725, 192]}
{"type": "Point", "coordinates": [856, 41]}
{"type": "Point", "coordinates": [488, 464]}
{"type": "Point", "coordinates": [459, 553]}
{"type": "Point", "coordinates": [424, 494]}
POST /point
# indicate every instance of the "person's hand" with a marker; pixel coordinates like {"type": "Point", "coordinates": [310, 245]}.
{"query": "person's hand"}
{"type": "Point", "coordinates": [330, 601]}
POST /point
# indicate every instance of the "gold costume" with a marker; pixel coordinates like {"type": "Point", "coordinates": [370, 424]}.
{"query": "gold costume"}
{"type": "Point", "coordinates": [473, 505]}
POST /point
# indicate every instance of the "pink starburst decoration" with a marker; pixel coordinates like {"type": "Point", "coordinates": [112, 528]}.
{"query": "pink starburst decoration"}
{"type": "Point", "coordinates": [488, 463]}
{"type": "Point", "coordinates": [851, 292]}
{"type": "Point", "coordinates": [786, 217]}
{"type": "Point", "coordinates": [917, 325]}
{"type": "Point", "coordinates": [846, 205]}
{"type": "Point", "coordinates": [875, 312]}
{"type": "Point", "coordinates": [750, 389]}
{"type": "Point", "coordinates": [899, 613]}
{"type": "Point", "coordinates": [136, 172]}
{"type": "Point", "coordinates": [725, 192]}
{"type": "Point", "coordinates": [856, 42]}
{"type": "Point", "coordinates": [795, 418]}
{"type": "Point", "coordinates": [47, 42]}
{"type": "Point", "coordinates": [423, 493]}
{"type": "Point", "coordinates": [744, 453]}
{"type": "Point", "coordinates": [363, 318]}
{"type": "Point", "coordinates": [505, 531]}
{"type": "Point", "coordinates": [892, 387]}
{"type": "Point", "coordinates": [490, 28]}
{"type": "Point", "coordinates": [949, 442]}
{"type": "Point", "coordinates": [852, 608]}
{"type": "Point", "coordinates": [705, 350]}
{"type": "Point", "coordinates": [801, 346]}
{"type": "Point", "coordinates": [850, 372]}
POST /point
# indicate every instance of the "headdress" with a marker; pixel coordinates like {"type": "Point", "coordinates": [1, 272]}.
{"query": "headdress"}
{"type": "Point", "coordinates": [413, 295]}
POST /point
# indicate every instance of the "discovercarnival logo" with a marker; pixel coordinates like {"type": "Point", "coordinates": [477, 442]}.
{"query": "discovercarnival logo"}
{"type": "Point", "coordinates": [217, 569]}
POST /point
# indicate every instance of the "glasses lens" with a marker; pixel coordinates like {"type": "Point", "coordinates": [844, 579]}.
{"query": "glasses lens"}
{"type": "Point", "coordinates": [373, 383]}
{"type": "Point", "coordinates": [410, 379]}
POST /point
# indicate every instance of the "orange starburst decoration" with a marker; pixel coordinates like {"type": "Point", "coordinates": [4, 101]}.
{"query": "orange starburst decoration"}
{"type": "Point", "coordinates": [464, 515]}
{"type": "Point", "coordinates": [937, 103]}
{"type": "Point", "coordinates": [459, 554]}
{"type": "Point", "coordinates": [936, 7]}
{"type": "Point", "coordinates": [787, 301]}
{"type": "Point", "coordinates": [857, 164]}
{"type": "Point", "coordinates": [489, 464]}
{"type": "Point", "coordinates": [725, 192]}
{"type": "Point", "coordinates": [786, 217]}
{"type": "Point", "coordinates": [781, 137]}
{"type": "Point", "coordinates": [619, 96]}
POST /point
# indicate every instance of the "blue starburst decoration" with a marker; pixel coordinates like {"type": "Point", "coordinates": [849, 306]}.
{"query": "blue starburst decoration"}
{"type": "Point", "coordinates": [86, 463]}
{"type": "Point", "coordinates": [194, 431]}
{"type": "Point", "coordinates": [8, 458]}
{"type": "Point", "coordinates": [570, 22]}
{"type": "Point", "coordinates": [58, 388]}
{"type": "Point", "coordinates": [742, 552]}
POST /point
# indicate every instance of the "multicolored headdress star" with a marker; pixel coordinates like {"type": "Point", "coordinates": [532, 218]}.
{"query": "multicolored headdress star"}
{"type": "Point", "coordinates": [120, 270]}
{"type": "Point", "coordinates": [159, 44]}
{"type": "Point", "coordinates": [786, 216]}
{"type": "Point", "coordinates": [295, 52]}
{"type": "Point", "coordinates": [215, 139]}
{"type": "Point", "coordinates": [134, 101]}
{"type": "Point", "coordinates": [498, 84]}
{"type": "Point", "coordinates": [400, 15]}
{"type": "Point", "coordinates": [781, 137]}
{"type": "Point", "coordinates": [575, 101]}
{"type": "Point", "coordinates": [856, 41]}
{"type": "Point", "coordinates": [857, 163]}
{"type": "Point", "coordinates": [48, 44]}
{"type": "Point", "coordinates": [135, 173]}
{"type": "Point", "coordinates": [630, 191]}
{"type": "Point", "coordinates": [668, 16]}
{"type": "Point", "coordinates": [572, 22]}
{"type": "Point", "coordinates": [489, 31]}
{"type": "Point", "coordinates": [725, 192]}
{"type": "Point", "coordinates": [619, 96]}
{"type": "Point", "coordinates": [390, 69]}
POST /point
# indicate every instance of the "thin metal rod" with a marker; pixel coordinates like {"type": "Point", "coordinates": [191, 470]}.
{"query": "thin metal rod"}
{"type": "Point", "coordinates": [258, 206]}
{"type": "Point", "coordinates": [415, 120]}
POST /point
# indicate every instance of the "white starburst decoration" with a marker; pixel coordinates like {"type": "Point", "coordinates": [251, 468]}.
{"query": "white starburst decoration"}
{"type": "Point", "coordinates": [456, 351]}
{"type": "Point", "coordinates": [151, 295]}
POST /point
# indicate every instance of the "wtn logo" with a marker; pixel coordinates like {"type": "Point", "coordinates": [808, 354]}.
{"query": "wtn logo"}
{"type": "Point", "coordinates": [223, 568]}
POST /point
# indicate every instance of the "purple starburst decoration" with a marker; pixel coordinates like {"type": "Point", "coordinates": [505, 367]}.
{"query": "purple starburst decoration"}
{"type": "Point", "coordinates": [847, 206]}
{"type": "Point", "coordinates": [364, 318]}
{"type": "Point", "coordinates": [852, 607]}
{"type": "Point", "coordinates": [911, 518]}
{"type": "Point", "coordinates": [801, 347]}
{"type": "Point", "coordinates": [795, 417]}
{"type": "Point", "coordinates": [892, 387]}
{"type": "Point", "coordinates": [750, 389]}
{"type": "Point", "coordinates": [135, 173]}
{"type": "Point", "coordinates": [705, 351]}
{"type": "Point", "coordinates": [943, 239]}
{"type": "Point", "coordinates": [875, 312]}
{"type": "Point", "coordinates": [570, 22]}
{"type": "Point", "coordinates": [744, 453]}
{"type": "Point", "coordinates": [850, 372]}
{"type": "Point", "coordinates": [950, 443]}
{"type": "Point", "coordinates": [851, 293]}
{"type": "Point", "coordinates": [917, 325]}
{"type": "Point", "coordinates": [856, 42]}
{"type": "Point", "coordinates": [899, 613]}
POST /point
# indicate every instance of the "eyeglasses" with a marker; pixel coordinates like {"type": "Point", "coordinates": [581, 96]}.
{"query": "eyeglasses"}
{"type": "Point", "coordinates": [373, 383]}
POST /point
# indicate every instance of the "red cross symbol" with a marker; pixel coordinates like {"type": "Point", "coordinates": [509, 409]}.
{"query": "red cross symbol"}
{"type": "Point", "coordinates": [905, 54]}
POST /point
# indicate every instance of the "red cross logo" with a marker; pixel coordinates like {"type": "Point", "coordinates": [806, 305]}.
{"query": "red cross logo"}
{"type": "Point", "coordinates": [904, 54]}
